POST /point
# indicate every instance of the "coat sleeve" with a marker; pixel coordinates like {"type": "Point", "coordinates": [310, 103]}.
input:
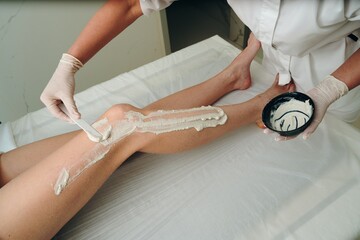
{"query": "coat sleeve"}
{"type": "Point", "coordinates": [149, 6]}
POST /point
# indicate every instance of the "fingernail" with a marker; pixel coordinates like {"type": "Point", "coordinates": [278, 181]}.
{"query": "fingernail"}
{"type": "Point", "coordinates": [306, 136]}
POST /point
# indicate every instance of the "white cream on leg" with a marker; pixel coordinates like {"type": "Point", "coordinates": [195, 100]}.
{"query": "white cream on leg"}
{"type": "Point", "coordinates": [162, 121]}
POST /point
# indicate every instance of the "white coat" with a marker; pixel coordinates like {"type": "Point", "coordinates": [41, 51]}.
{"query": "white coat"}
{"type": "Point", "coordinates": [301, 39]}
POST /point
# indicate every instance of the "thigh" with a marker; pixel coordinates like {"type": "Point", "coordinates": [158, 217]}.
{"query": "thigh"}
{"type": "Point", "coordinates": [16, 161]}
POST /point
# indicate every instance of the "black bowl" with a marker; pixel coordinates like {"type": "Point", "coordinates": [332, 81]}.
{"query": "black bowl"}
{"type": "Point", "coordinates": [276, 102]}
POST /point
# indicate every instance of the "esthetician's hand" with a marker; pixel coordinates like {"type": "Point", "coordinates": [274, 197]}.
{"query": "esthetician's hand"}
{"type": "Point", "coordinates": [61, 88]}
{"type": "Point", "coordinates": [323, 95]}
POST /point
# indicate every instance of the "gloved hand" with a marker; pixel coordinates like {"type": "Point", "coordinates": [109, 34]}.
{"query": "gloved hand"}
{"type": "Point", "coordinates": [324, 94]}
{"type": "Point", "coordinates": [61, 88]}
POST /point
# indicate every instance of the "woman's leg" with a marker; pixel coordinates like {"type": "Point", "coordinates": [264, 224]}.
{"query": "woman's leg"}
{"type": "Point", "coordinates": [29, 207]}
{"type": "Point", "coordinates": [235, 77]}
{"type": "Point", "coordinates": [239, 115]}
{"type": "Point", "coordinates": [14, 162]}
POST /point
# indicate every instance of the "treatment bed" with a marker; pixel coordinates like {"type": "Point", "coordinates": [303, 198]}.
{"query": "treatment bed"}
{"type": "Point", "coordinates": [244, 185]}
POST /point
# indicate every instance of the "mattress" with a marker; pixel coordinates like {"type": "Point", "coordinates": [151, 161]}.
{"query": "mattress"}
{"type": "Point", "coordinates": [244, 185]}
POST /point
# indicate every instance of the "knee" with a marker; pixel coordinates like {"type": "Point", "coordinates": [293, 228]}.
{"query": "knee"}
{"type": "Point", "coordinates": [135, 140]}
{"type": "Point", "coordinates": [117, 112]}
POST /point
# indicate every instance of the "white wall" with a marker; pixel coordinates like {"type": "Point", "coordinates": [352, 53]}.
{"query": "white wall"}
{"type": "Point", "coordinates": [34, 34]}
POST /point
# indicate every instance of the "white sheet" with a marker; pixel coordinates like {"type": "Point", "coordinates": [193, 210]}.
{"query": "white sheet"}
{"type": "Point", "coordinates": [7, 141]}
{"type": "Point", "coordinates": [242, 186]}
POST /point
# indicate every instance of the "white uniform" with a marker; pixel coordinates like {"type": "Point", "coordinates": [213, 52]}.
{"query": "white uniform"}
{"type": "Point", "coordinates": [301, 39]}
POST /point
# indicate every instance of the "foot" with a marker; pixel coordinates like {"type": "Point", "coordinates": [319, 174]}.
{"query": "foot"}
{"type": "Point", "coordinates": [272, 92]}
{"type": "Point", "coordinates": [238, 72]}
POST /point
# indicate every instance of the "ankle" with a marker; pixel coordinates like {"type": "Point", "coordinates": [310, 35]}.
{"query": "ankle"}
{"type": "Point", "coordinates": [263, 99]}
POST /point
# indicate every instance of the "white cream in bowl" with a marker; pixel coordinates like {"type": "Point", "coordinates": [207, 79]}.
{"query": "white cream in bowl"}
{"type": "Point", "coordinates": [291, 115]}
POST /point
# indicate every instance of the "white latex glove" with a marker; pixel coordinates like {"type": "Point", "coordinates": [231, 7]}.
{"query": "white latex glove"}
{"type": "Point", "coordinates": [324, 94]}
{"type": "Point", "coordinates": [61, 88]}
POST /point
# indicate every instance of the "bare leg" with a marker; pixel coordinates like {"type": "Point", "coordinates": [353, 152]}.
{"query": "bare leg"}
{"type": "Point", "coordinates": [29, 209]}
{"type": "Point", "coordinates": [235, 77]}
{"type": "Point", "coordinates": [20, 159]}
{"type": "Point", "coordinates": [239, 115]}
